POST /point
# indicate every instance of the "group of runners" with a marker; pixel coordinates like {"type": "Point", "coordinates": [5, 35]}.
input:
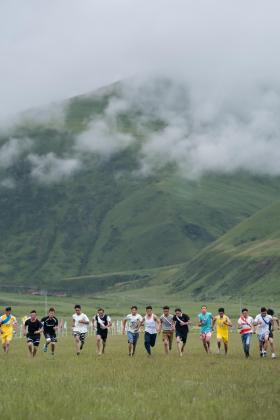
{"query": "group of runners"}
{"type": "Point", "coordinates": [167, 324]}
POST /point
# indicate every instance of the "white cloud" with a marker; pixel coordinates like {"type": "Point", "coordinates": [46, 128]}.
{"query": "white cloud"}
{"type": "Point", "coordinates": [50, 168]}
{"type": "Point", "coordinates": [12, 150]}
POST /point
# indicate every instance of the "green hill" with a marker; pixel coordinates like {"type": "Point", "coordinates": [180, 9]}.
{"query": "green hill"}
{"type": "Point", "coordinates": [102, 222]}
{"type": "Point", "coordinates": [244, 261]}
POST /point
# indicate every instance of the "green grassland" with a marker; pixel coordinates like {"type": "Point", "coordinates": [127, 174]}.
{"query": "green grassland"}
{"type": "Point", "coordinates": [197, 386]}
{"type": "Point", "coordinates": [248, 251]}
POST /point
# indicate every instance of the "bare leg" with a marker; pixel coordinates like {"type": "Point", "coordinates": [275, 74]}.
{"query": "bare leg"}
{"type": "Point", "coordinates": [34, 351]}
{"type": "Point", "coordinates": [103, 347]}
{"type": "Point", "coordinates": [30, 348]}
{"type": "Point", "coordinates": [226, 347]}
{"type": "Point", "coordinates": [166, 346]}
{"type": "Point", "coordinates": [78, 344]}
{"type": "Point", "coordinates": [130, 347]}
{"type": "Point", "coordinates": [52, 347]}
{"type": "Point", "coordinates": [179, 345]}
{"type": "Point", "coordinates": [219, 345]}
{"type": "Point", "coordinates": [98, 344]}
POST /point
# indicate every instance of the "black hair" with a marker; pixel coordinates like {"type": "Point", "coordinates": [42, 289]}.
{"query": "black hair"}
{"type": "Point", "coordinates": [244, 309]}
{"type": "Point", "coordinates": [8, 308]}
{"type": "Point", "coordinates": [221, 310]}
{"type": "Point", "coordinates": [263, 309]}
{"type": "Point", "coordinates": [148, 307]}
{"type": "Point", "coordinates": [203, 306]}
{"type": "Point", "coordinates": [33, 312]}
{"type": "Point", "coordinates": [51, 310]}
{"type": "Point", "coordinates": [270, 312]}
{"type": "Point", "coordinates": [178, 310]}
{"type": "Point", "coordinates": [134, 307]}
{"type": "Point", "coordinates": [166, 307]}
{"type": "Point", "coordinates": [100, 309]}
{"type": "Point", "coordinates": [77, 306]}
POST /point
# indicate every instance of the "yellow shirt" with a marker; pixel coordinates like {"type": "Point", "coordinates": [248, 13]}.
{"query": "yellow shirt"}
{"type": "Point", "coordinates": [8, 327]}
{"type": "Point", "coordinates": [222, 328]}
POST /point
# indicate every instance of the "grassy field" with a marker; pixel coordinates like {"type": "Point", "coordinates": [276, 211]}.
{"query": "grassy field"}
{"type": "Point", "coordinates": [197, 386]}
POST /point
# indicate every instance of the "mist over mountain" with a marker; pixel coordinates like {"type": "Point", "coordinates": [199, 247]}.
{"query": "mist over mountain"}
{"type": "Point", "coordinates": [135, 176]}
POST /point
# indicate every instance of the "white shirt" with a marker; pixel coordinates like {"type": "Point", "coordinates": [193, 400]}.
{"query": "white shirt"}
{"type": "Point", "coordinates": [78, 326]}
{"type": "Point", "coordinates": [150, 324]}
{"type": "Point", "coordinates": [132, 322]}
{"type": "Point", "coordinates": [246, 324]}
{"type": "Point", "coordinates": [263, 328]}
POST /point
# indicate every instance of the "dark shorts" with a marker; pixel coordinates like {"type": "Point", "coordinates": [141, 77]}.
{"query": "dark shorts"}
{"type": "Point", "coordinates": [270, 334]}
{"type": "Point", "coordinates": [183, 336]}
{"type": "Point", "coordinates": [103, 334]}
{"type": "Point", "coordinates": [51, 337]}
{"type": "Point", "coordinates": [34, 339]}
{"type": "Point", "coordinates": [82, 336]}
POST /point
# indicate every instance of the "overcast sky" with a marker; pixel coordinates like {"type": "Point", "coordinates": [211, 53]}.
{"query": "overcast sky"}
{"type": "Point", "coordinates": [54, 49]}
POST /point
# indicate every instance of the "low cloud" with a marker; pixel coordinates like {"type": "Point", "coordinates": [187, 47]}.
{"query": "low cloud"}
{"type": "Point", "coordinates": [50, 168]}
{"type": "Point", "coordinates": [12, 150]}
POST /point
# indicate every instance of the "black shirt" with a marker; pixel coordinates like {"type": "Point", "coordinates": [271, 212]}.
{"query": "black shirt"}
{"type": "Point", "coordinates": [184, 329]}
{"type": "Point", "coordinates": [33, 326]}
{"type": "Point", "coordinates": [49, 324]}
{"type": "Point", "coordinates": [105, 321]}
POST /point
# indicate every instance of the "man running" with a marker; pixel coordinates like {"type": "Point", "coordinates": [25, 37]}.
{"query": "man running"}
{"type": "Point", "coordinates": [223, 323]}
{"type": "Point", "coordinates": [151, 326]}
{"type": "Point", "coordinates": [246, 327]}
{"type": "Point", "coordinates": [205, 323]}
{"type": "Point", "coordinates": [133, 321]}
{"type": "Point", "coordinates": [32, 329]}
{"type": "Point", "coordinates": [262, 322]}
{"type": "Point", "coordinates": [275, 320]}
{"type": "Point", "coordinates": [50, 325]}
{"type": "Point", "coordinates": [8, 324]}
{"type": "Point", "coordinates": [182, 322]}
{"type": "Point", "coordinates": [80, 324]}
{"type": "Point", "coordinates": [167, 327]}
{"type": "Point", "coordinates": [101, 322]}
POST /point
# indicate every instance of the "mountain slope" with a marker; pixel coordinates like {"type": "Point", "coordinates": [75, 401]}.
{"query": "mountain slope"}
{"type": "Point", "coordinates": [244, 261]}
{"type": "Point", "coordinates": [74, 206]}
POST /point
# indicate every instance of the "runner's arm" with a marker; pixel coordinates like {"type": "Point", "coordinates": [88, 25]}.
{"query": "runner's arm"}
{"type": "Point", "coordinates": [214, 322]}
{"type": "Point", "coordinates": [124, 324]}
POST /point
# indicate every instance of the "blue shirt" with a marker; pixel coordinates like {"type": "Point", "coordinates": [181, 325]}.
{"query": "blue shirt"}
{"type": "Point", "coordinates": [206, 320]}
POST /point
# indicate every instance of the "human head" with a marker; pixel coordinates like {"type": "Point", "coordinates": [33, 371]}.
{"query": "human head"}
{"type": "Point", "coordinates": [221, 311]}
{"type": "Point", "coordinates": [166, 310]}
{"type": "Point", "coordinates": [8, 310]}
{"type": "Point", "coordinates": [33, 315]}
{"type": "Point", "coordinates": [263, 311]}
{"type": "Point", "coordinates": [204, 309]}
{"type": "Point", "coordinates": [270, 312]}
{"type": "Point", "coordinates": [78, 309]}
{"type": "Point", "coordinates": [178, 312]}
{"type": "Point", "coordinates": [100, 311]}
{"type": "Point", "coordinates": [149, 310]}
{"type": "Point", "coordinates": [134, 310]}
{"type": "Point", "coordinates": [245, 312]}
{"type": "Point", "coordinates": [51, 312]}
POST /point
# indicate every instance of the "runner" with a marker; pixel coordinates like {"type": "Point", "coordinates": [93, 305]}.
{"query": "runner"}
{"type": "Point", "coordinates": [32, 329]}
{"type": "Point", "coordinates": [246, 327]}
{"type": "Point", "coordinates": [223, 323]}
{"type": "Point", "coordinates": [101, 322]}
{"type": "Point", "coordinates": [262, 322]}
{"type": "Point", "coordinates": [80, 328]}
{"type": "Point", "coordinates": [151, 325]}
{"type": "Point", "coordinates": [182, 322]}
{"type": "Point", "coordinates": [50, 324]}
{"type": "Point", "coordinates": [133, 321]}
{"type": "Point", "coordinates": [205, 323]}
{"type": "Point", "coordinates": [167, 327]}
{"type": "Point", "coordinates": [8, 324]}
{"type": "Point", "coordinates": [275, 320]}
